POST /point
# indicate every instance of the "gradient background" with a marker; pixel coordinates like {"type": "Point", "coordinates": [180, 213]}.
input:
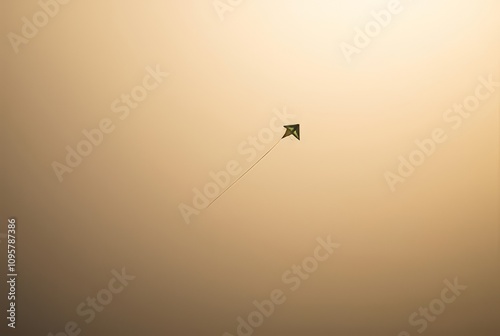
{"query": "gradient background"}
{"type": "Point", "coordinates": [119, 208]}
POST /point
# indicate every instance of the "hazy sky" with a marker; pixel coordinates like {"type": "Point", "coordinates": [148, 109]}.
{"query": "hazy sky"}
{"type": "Point", "coordinates": [116, 113]}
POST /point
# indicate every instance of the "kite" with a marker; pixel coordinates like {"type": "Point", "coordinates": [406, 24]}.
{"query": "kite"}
{"type": "Point", "coordinates": [290, 130]}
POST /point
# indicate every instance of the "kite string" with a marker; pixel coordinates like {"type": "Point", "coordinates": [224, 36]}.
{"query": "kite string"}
{"type": "Point", "coordinates": [245, 172]}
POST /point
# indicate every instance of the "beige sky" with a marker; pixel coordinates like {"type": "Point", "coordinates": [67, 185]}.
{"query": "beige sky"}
{"type": "Point", "coordinates": [228, 80]}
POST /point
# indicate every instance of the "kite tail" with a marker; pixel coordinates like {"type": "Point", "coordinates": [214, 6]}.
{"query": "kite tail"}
{"type": "Point", "coordinates": [245, 172]}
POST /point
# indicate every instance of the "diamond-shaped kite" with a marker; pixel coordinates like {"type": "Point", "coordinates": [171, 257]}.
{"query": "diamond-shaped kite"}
{"type": "Point", "coordinates": [292, 129]}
